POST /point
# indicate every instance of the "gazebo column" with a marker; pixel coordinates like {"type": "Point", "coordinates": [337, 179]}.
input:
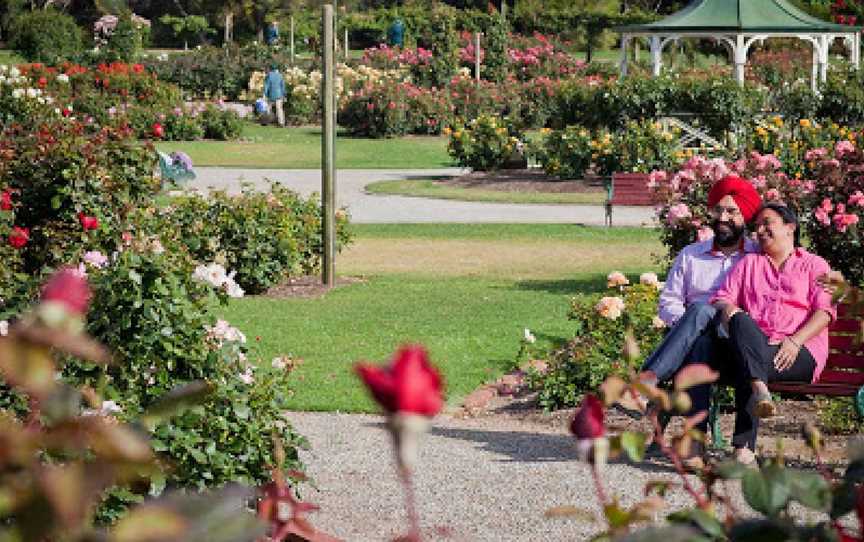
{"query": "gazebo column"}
{"type": "Point", "coordinates": [625, 42]}
{"type": "Point", "coordinates": [824, 44]}
{"type": "Point", "coordinates": [856, 50]}
{"type": "Point", "coordinates": [656, 55]}
{"type": "Point", "coordinates": [739, 54]}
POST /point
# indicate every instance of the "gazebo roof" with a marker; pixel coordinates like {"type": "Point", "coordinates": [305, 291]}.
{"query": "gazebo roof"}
{"type": "Point", "coordinates": [739, 16]}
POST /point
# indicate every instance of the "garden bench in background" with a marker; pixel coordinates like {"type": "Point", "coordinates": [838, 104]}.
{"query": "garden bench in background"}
{"type": "Point", "coordinates": [843, 375]}
{"type": "Point", "coordinates": [627, 189]}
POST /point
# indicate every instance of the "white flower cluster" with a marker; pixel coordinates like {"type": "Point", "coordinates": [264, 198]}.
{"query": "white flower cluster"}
{"type": "Point", "coordinates": [224, 332]}
{"type": "Point", "coordinates": [216, 275]}
{"type": "Point", "coordinates": [4, 328]}
{"type": "Point", "coordinates": [108, 408]}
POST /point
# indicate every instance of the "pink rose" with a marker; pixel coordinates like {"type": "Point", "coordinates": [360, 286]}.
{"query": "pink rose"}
{"type": "Point", "coordinates": [69, 289]}
{"type": "Point", "coordinates": [410, 384]}
{"type": "Point", "coordinates": [843, 147]}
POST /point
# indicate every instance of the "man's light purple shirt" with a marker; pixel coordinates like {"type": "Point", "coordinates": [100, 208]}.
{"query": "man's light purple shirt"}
{"type": "Point", "coordinates": [696, 275]}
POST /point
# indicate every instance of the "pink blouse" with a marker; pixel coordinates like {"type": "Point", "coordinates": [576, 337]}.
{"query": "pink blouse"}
{"type": "Point", "coordinates": [782, 301]}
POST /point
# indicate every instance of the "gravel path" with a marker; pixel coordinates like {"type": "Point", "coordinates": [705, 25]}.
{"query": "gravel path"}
{"type": "Point", "coordinates": [374, 208]}
{"type": "Point", "coordinates": [488, 478]}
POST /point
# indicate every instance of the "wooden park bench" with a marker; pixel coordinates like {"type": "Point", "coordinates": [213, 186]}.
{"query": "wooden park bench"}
{"type": "Point", "coordinates": [843, 375]}
{"type": "Point", "coordinates": [627, 189]}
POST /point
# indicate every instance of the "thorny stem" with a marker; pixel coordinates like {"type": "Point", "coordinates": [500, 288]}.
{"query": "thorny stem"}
{"type": "Point", "coordinates": [410, 503]}
{"type": "Point", "coordinates": [701, 501]}
{"type": "Point", "coordinates": [598, 484]}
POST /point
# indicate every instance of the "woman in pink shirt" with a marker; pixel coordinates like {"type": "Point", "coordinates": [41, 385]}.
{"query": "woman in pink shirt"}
{"type": "Point", "coordinates": [778, 316]}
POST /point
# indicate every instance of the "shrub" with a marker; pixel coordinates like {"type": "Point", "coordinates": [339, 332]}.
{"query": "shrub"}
{"type": "Point", "coordinates": [485, 143]}
{"type": "Point", "coordinates": [156, 317]}
{"type": "Point", "coordinates": [220, 123]}
{"type": "Point", "coordinates": [128, 38]}
{"type": "Point", "coordinates": [388, 109]}
{"type": "Point", "coordinates": [601, 323]}
{"type": "Point", "coordinates": [681, 196]}
{"type": "Point", "coordinates": [74, 193]}
{"type": "Point", "coordinates": [837, 207]}
{"type": "Point", "coordinates": [565, 153]}
{"type": "Point", "coordinates": [262, 237]}
{"type": "Point", "coordinates": [640, 147]}
{"type": "Point", "coordinates": [46, 36]}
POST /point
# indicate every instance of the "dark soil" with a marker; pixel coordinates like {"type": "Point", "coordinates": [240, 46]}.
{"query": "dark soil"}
{"type": "Point", "coordinates": [307, 287]}
{"type": "Point", "coordinates": [521, 180]}
{"type": "Point", "coordinates": [783, 430]}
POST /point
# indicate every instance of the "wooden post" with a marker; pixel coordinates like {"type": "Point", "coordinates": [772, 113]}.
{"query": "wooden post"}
{"type": "Point", "coordinates": [477, 56]}
{"type": "Point", "coordinates": [291, 37]}
{"type": "Point", "coordinates": [346, 44]}
{"type": "Point", "coordinates": [328, 151]}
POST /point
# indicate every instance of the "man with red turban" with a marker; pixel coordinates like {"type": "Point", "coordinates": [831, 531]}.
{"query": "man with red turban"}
{"type": "Point", "coordinates": [695, 335]}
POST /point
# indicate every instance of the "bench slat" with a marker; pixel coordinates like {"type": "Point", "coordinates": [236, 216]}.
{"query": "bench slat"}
{"type": "Point", "coordinates": [837, 390]}
{"type": "Point", "coordinates": [844, 343]}
{"type": "Point", "coordinates": [845, 324]}
{"type": "Point", "coordinates": [846, 361]}
{"type": "Point", "coordinates": [833, 376]}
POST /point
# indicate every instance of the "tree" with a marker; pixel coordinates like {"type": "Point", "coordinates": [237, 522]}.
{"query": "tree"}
{"type": "Point", "coordinates": [188, 26]}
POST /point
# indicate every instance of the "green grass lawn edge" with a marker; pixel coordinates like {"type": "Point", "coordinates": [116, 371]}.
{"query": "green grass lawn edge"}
{"type": "Point", "coordinates": [427, 188]}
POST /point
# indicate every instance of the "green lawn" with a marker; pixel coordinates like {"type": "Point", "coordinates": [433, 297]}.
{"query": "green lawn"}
{"type": "Point", "coordinates": [428, 188]}
{"type": "Point", "coordinates": [9, 57]}
{"type": "Point", "coordinates": [470, 316]}
{"type": "Point", "coordinates": [269, 147]}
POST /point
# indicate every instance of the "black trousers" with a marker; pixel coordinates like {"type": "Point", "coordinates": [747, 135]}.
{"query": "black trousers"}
{"type": "Point", "coordinates": [754, 360]}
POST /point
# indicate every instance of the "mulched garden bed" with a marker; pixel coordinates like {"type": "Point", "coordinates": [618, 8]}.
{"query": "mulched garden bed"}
{"type": "Point", "coordinates": [306, 287]}
{"type": "Point", "coordinates": [522, 180]}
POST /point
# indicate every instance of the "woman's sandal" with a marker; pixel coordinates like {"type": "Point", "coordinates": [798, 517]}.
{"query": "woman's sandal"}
{"type": "Point", "coordinates": [761, 405]}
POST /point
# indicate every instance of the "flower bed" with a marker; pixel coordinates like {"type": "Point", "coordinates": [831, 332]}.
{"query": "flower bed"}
{"type": "Point", "coordinates": [77, 194]}
{"type": "Point", "coordinates": [115, 94]}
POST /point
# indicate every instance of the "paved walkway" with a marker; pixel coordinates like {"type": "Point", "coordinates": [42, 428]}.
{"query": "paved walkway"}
{"type": "Point", "coordinates": [371, 208]}
{"type": "Point", "coordinates": [483, 479]}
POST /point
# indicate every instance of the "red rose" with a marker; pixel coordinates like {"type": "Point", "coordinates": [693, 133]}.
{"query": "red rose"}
{"type": "Point", "coordinates": [410, 384]}
{"type": "Point", "coordinates": [19, 237]}
{"type": "Point", "coordinates": [138, 68]}
{"type": "Point", "coordinates": [6, 200]}
{"type": "Point", "coordinates": [66, 111]}
{"type": "Point", "coordinates": [88, 222]}
{"type": "Point", "coordinates": [158, 130]}
{"type": "Point", "coordinates": [68, 288]}
{"type": "Point", "coordinates": [588, 422]}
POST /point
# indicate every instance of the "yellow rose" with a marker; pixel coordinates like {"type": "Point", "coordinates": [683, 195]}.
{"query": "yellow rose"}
{"type": "Point", "coordinates": [804, 123]}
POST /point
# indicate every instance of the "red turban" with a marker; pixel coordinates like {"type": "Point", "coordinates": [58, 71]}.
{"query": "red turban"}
{"type": "Point", "coordinates": [742, 192]}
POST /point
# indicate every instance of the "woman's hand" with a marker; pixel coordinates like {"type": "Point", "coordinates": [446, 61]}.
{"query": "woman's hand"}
{"type": "Point", "coordinates": [787, 354]}
{"type": "Point", "coordinates": [727, 310]}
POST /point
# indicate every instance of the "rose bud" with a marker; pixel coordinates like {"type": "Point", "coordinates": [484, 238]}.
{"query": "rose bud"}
{"type": "Point", "coordinates": [69, 289]}
{"type": "Point", "coordinates": [88, 222]}
{"type": "Point", "coordinates": [6, 200]}
{"type": "Point", "coordinates": [158, 130]}
{"type": "Point", "coordinates": [588, 422]}
{"type": "Point", "coordinates": [410, 391]}
{"type": "Point", "coordinates": [19, 237]}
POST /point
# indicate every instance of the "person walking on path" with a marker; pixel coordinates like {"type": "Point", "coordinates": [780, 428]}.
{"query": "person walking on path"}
{"type": "Point", "coordinates": [274, 92]}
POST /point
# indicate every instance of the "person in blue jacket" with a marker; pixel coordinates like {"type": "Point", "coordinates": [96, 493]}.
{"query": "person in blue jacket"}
{"type": "Point", "coordinates": [274, 92]}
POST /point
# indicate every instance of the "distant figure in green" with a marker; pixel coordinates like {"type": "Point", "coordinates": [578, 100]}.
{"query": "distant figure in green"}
{"type": "Point", "coordinates": [274, 92]}
{"type": "Point", "coordinates": [396, 33]}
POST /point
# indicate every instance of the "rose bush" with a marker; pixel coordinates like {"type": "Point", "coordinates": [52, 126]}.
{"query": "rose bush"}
{"type": "Point", "coordinates": [681, 195]}
{"type": "Point", "coordinates": [262, 237]}
{"type": "Point", "coordinates": [485, 143]}
{"type": "Point", "coordinates": [75, 194]}
{"type": "Point", "coordinates": [601, 324]}
{"type": "Point", "coordinates": [837, 207]}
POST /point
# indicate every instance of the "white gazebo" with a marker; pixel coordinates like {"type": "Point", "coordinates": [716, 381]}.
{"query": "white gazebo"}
{"type": "Point", "coordinates": [738, 24]}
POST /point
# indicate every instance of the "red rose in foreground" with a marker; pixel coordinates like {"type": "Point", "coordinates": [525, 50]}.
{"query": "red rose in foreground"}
{"type": "Point", "coordinates": [88, 222]}
{"type": "Point", "coordinates": [68, 288]}
{"type": "Point", "coordinates": [588, 422]}
{"type": "Point", "coordinates": [19, 237]}
{"type": "Point", "coordinates": [158, 130]}
{"type": "Point", "coordinates": [410, 384]}
{"type": "Point", "coordinates": [6, 201]}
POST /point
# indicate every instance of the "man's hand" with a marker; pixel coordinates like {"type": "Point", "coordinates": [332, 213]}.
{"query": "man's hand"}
{"type": "Point", "coordinates": [787, 354]}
